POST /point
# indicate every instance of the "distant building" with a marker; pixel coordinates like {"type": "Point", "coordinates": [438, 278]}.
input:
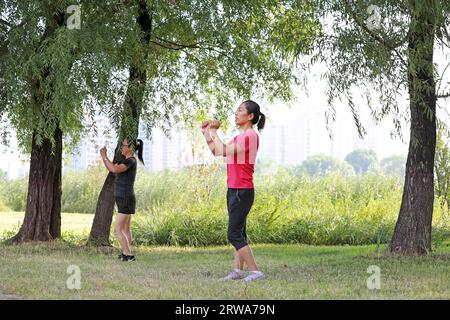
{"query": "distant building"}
{"type": "Point", "coordinates": [304, 133]}
{"type": "Point", "coordinates": [274, 143]}
{"type": "Point", "coordinates": [290, 141]}
{"type": "Point", "coordinates": [87, 152]}
{"type": "Point", "coordinates": [15, 165]}
{"type": "Point", "coordinates": [161, 152]}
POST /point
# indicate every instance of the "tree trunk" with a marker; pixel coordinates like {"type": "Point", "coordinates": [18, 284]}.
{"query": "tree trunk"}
{"type": "Point", "coordinates": [55, 220]}
{"type": "Point", "coordinates": [412, 234]}
{"type": "Point", "coordinates": [42, 221]}
{"type": "Point", "coordinates": [101, 225]}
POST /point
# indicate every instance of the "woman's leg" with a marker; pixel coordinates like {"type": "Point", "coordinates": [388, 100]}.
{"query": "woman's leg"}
{"type": "Point", "coordinates": [128, 230]}
{"type": "Point", "coordinates": [238, 211]}
{"type": "Point", "coordinates": [246, 255]}
{"type": "Point", "coordinates": [238, 222]}
{"type": "Point", "coordinates": [232, 221]}
{"type": "Point", "coordinates": [238, 262]}
{"type": "Point", "coordinates": [120, 234]}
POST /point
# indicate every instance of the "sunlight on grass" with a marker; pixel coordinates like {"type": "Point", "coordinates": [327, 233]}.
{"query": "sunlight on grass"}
{"type": "Point", "coordinates": [75, 222]}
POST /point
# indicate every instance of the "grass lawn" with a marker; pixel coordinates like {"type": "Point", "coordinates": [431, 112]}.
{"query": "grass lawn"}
{"type": "Point", "coordinates": [75, 222]}
{"type": "Point", "coordinates": [39, 271]}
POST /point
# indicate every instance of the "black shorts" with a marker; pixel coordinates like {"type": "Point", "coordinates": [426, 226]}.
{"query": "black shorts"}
{"type": "Point", "coordinates": [239, 203]}
{"type": "Point", "coordinates": [126, 204]}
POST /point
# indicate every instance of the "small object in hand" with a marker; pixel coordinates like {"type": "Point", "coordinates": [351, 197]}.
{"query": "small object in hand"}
{"type": "Point", "coordinates": [214, 124]}
{"type": "Point", "coordinates": [205, 124]}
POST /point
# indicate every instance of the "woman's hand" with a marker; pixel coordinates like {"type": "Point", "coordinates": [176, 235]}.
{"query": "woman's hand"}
{"type": "Point", "coordinates": [103, 152]}
{"type": "Point", "coordinates": [215, 124]}
{"type": "Point", "coordinates": [204, 126]}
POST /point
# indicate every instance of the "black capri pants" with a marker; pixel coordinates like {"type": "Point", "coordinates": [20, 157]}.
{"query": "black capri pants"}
{"type": "Point", "coordinates": [239, 203]}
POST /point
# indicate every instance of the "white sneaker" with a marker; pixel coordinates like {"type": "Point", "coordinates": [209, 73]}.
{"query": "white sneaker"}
{"type": "Point", "coordinates": [254, 275]}
{"type": "Point", "coordinates": [236, 274]}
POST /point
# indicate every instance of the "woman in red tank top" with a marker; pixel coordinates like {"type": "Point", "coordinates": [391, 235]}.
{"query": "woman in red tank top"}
{"type": "Point", "coordinates": [241, 155]}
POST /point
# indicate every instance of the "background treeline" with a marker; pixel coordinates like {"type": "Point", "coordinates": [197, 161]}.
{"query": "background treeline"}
{"type": "Point", "coordinates": [323, 201]}
{"type": "Point", "coordinates": [81, 187]}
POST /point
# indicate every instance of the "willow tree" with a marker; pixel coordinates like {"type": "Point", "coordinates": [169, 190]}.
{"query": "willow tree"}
{"type": "Point", "coordinates": [47, 68]}
{"type": "Point", "coordinates": [129, 114]}
{"type": "Point", "coordinates": [199, 57]}
{"type": "Point", "coordinates": [389, 46]}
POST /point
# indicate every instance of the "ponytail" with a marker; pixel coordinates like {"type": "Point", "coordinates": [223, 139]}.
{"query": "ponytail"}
{"type": "Point", "coordinates": [258, 117]}
{"type": "Point", "coordinates": [140, 150]}
{"type": "Point", "coordinates": [138, 147]}
{"type": "Point", "coordinates": [261, 122]}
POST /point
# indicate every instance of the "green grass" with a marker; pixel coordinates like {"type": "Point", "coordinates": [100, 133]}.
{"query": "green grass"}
{"type": "Point", "coordinates": [39, 271]}
{"type": "Point", "coordinates": [188, 207]}
{"type": "Point", "coordinates": [73, 222]}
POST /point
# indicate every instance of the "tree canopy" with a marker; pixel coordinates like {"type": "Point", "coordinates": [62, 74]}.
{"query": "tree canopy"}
{"type": "Point", "coordinates": [364, 44]}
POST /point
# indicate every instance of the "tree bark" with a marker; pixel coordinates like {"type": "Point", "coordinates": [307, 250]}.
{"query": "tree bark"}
{"type": "Point", "coordinates": [412, 234]}
{"type": "Point", "coordinates": [42, 221]}
{"type": "Point", "coordinates": [101, 226]}
{"type": "Point", "coordinates": [55, 216]}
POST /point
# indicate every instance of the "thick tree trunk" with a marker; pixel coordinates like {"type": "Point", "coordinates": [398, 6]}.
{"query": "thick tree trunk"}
{"type": "Point", "coordinates": [101, 225]}
{"type": "Point", "coordinates": [42, 221]}
{"type": "Point", "coordinates": [412, 234]}
{"type": "Point", "coordinates": [55, 220]}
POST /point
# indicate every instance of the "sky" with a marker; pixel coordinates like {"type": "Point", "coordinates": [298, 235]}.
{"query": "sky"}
{"type": "Point", "coordinates": [313, 97]}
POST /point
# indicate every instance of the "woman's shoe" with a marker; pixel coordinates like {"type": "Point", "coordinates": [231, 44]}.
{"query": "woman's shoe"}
{"type": "Point", "coordinates": [128, 258]}
{"type": "Point", "coordinates": [254, 276]}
